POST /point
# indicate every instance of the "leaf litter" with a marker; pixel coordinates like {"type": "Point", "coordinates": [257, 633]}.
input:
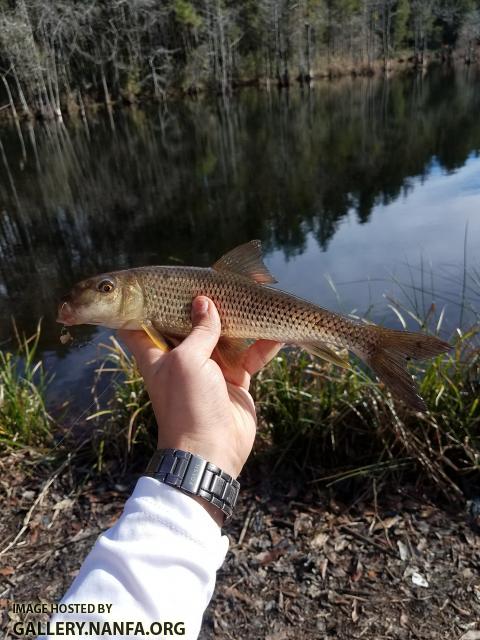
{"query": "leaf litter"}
{"type": "Point", "coordinates": [400, 567]}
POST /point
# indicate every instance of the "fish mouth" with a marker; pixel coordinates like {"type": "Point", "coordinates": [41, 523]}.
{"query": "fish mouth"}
{"type": "Point", "coordinates": [66, 314]}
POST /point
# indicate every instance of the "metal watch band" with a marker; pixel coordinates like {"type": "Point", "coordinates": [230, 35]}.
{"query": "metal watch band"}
{"type": "Point", "coordinates": [194, 475]}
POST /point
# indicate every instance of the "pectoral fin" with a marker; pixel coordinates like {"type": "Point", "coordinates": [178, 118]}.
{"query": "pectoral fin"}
{"type": "Point", "coordinates": [154, 336]}
{"type": "Point", "coordinates": [246, 260]}
{"type": "Point", "coordinates": [328, 353]}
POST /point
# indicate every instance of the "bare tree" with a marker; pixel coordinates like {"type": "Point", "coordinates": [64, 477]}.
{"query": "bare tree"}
{"type": "Point", "coordinates": [423, 15]}
{"type": "Point", "coordinates": [469, 39]}
{"type": "Point", "coordinates": [58, 55]}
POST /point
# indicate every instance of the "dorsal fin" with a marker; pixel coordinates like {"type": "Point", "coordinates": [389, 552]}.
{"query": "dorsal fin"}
{"type": "Point", "coordinates": [246, 260]}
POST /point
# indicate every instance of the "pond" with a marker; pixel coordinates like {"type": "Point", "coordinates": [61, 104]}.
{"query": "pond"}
{"type": "Point", "coordinates": [365, 193]}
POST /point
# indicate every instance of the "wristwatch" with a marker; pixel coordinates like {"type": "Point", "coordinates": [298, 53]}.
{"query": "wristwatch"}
{"type": "Point", "coordinates": [195, 476]}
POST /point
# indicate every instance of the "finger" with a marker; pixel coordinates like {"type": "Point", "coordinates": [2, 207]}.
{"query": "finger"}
{"type": "Point", "coordinates": [260, 354]}
{"type": "Point", "coordinates": [205, 334]}
{"type": "Point", "coordinates": [145, 352]}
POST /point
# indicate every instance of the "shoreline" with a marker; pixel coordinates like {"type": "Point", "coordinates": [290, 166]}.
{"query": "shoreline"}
{"type": "Point", "coordinates": [76, 105]}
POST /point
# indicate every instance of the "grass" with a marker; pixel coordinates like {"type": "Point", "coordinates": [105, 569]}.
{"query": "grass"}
{"type": "Point", "coordinates": [335, 425]}
{"type": "Point", "coordinates": [24, 419]}
{"type": "Point", "coordinates": [125, 428]}
{"type": "Point", "coordinates": [329, 424]}
{"type": "Point", "coordinates": [323, 424]}
{"type": "Point", "coordinates": [348, 426]}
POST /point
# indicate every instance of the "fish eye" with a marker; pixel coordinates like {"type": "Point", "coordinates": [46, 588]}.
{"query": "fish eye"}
{"type": "Point", "coordinates": [105, 286]}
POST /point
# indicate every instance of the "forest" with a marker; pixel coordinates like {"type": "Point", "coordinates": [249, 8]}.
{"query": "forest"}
{"type": "Point", "coordinates": [58, 55]}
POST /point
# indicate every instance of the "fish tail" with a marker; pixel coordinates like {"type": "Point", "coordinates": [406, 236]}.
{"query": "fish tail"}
{"type": "Point", "coordinates": [388, 357]}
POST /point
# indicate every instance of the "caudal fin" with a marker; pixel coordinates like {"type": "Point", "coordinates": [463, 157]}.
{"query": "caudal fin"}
{"type": "Point", "coordinates": [393, 350]}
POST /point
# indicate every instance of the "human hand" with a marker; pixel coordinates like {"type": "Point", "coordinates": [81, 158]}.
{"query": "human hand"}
{"type": "Point", "coordinates": [202, 405]}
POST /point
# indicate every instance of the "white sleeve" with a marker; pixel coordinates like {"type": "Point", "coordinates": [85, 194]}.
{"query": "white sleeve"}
{"type": "Point", "coordinates": [157, 564]}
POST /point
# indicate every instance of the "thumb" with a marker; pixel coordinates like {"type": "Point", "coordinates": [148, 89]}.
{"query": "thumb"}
{"type": "Point", "coordinates": [146, 353]}
{"type": "Point", "coordinates": [206, 328]}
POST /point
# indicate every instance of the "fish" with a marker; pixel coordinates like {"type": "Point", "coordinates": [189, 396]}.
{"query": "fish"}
{"type": "Point", "coordinates": [157, 299]}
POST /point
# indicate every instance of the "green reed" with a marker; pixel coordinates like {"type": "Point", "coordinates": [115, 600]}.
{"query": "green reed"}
{"type": "Point", "coordinates": [331, 424]}
{"type": "Point", "coordinates": [125, 429]}
{"type": "Point", "coordinates": [337, 424]}
{"type": "Point", "coordinates": [24, 419]}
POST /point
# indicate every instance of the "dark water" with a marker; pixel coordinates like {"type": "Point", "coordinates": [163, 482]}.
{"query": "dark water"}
{"type": "Point", "coordinates": [358, 188]}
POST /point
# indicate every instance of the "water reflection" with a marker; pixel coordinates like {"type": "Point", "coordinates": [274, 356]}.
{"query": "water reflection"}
{"type": "Point", "coordinates": [303, 171]}
{"type": "Point", "coordinates": [412, 251]}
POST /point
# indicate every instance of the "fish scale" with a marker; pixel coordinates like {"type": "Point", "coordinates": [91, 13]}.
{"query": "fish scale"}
{"type": "Point", "coordinates": [247, 310]}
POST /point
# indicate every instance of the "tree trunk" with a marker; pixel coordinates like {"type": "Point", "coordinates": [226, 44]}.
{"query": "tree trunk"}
{"type": "Point", "coordinates": [308, 29]}
{"type": "Point", "coordinates": [15, 116]}
{"type": "Point", "coordinates": [108, 101]}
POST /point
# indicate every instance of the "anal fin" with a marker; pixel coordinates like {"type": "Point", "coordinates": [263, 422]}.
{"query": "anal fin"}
{"type": "Point", "coordinates": [328, 353]}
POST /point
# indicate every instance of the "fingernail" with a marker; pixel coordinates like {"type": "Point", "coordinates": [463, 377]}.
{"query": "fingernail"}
{"type": "Point", "coordinates": [200, 306]}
